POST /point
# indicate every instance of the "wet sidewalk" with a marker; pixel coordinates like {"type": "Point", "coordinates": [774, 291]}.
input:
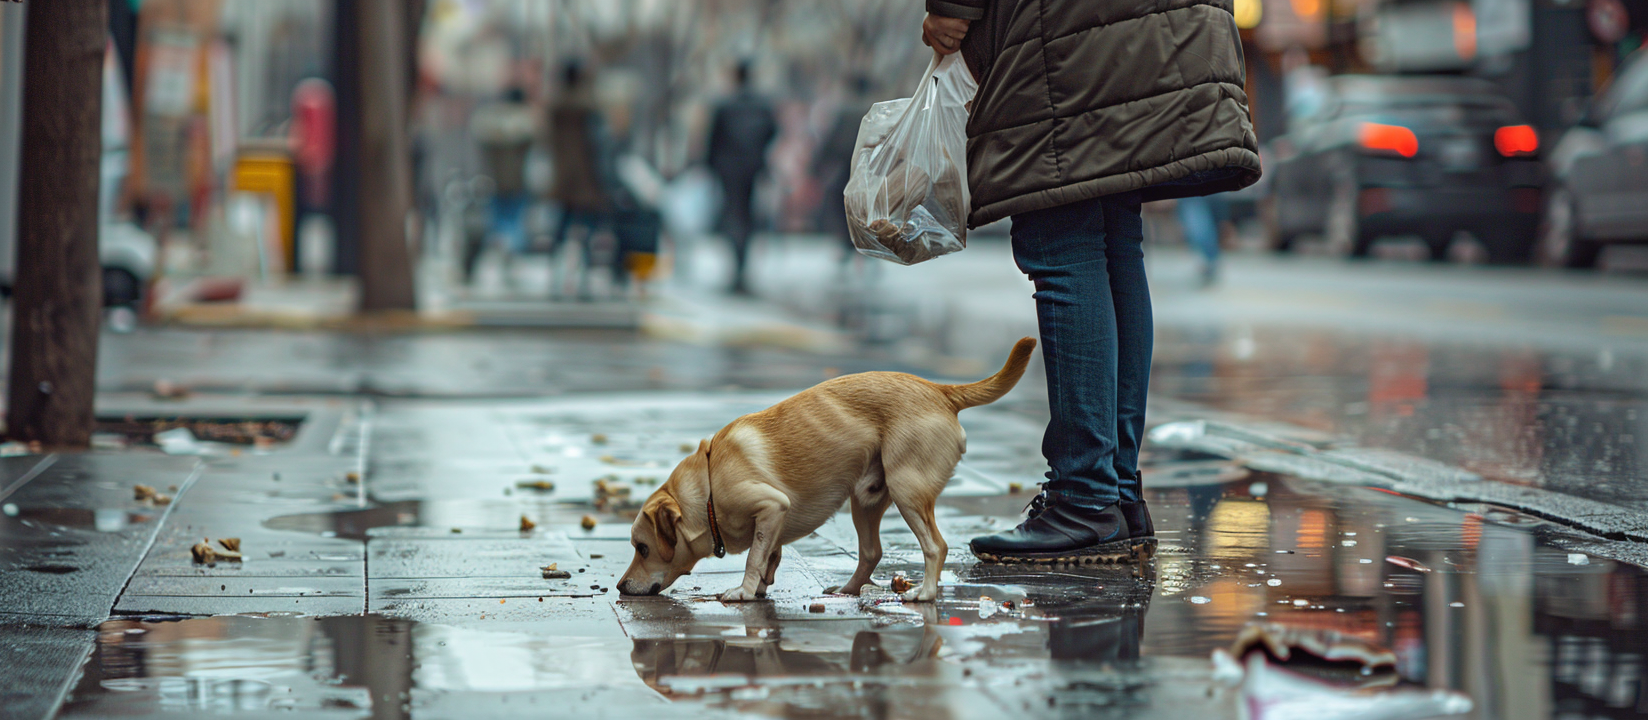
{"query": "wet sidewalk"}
{"type": "Point", "coordinates": [386, 574]}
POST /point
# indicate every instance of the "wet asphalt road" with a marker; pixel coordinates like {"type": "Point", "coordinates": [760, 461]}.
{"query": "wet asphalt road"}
{"type": "Point", "coordinates": [410, 591]}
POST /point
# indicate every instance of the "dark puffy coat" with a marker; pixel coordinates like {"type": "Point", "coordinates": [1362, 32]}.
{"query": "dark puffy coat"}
{"type": "Point", "coordinates": [1083, 98]}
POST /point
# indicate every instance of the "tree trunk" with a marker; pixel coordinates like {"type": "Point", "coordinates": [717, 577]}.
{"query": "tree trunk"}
{"type": "Point", "coordinates": [386, 159]}
{"type": "Point", "coordinates": [58, 294]}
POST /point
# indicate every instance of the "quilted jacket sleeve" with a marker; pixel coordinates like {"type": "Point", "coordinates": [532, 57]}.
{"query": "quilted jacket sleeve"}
{"type": "Point", "coordinates": [964, 9]}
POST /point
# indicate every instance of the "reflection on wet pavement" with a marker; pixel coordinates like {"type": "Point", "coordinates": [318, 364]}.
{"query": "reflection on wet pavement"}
{"type": "Point", "coordinates": [1568, 421]}
{"type": "Point", "coordinates": [1477, 609]}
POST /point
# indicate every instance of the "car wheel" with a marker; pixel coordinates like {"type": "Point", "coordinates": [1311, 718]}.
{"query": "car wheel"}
{"type": "Point", "coordinates": [1344, 228]}
{"type": "Point", "coordinates": [1436, 245]}
{"type": "Point", "coordinates": [120, 287]}
{"type": "Point", "coordinates": [1560, 243]}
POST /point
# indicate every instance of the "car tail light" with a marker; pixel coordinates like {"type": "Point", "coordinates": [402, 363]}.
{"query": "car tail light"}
{"type": "Point", "coordinates": [1515, 140]}
{"type": "Point", "coordinates": [1389, 138]}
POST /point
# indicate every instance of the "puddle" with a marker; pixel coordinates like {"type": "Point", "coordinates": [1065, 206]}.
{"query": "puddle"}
{"type": "Point", "coordinates": [1475, 606]}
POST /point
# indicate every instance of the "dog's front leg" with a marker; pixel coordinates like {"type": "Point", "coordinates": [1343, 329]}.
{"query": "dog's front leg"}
{"type": "Point", "coordinates": [770, 512]}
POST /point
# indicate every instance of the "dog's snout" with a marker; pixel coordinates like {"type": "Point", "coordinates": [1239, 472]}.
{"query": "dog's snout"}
{"type": "Point", "coordinates": [627, 588]}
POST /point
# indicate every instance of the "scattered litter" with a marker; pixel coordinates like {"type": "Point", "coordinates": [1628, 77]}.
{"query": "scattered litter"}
{"type": "Point", "coordinates": [353, 478]}
{"type": "Point", "coordinates": [171, 488]}
{"type": "Point", "coordinates": [610, 494]}
{"type": "Point", "coordinates": [1408, 563]}
{"type": "Point", "coordinates": [596, 556]}
{"type": "Point", "coordinates": [15, 448]}
{"type": "Point", "coordinates": [162, 499]}
{"type": "Point", "coordinates": [588, 523]}
{"type": "Point", "coordinates": [686, 447]}
{"type": "Point", "coordinates": [142, 492]}
{"type": "Point", "coordinates": [1579, 559]}
{"type": "Point", "coordinates": [204, 553]}
{"type": "Point", "coordinates": [167, 390]}
{"type": "Point", "coordinates": [646, 480]}
{"type": "Point", "coordinates": [598, 438]}
{"type": "Point", "coordinates": [455, 531]}
{"type": "Point", "coordinates": [179, 441]}
{"type": "Point", "coordinates": [815, 608]}
{"type": "Point", "coordinates": [1007, 604]}
{"type": "Point", "coordinates": [527, 524]}
{"type": "Point", "coordinates": [614, 460]}
{"type": "Point", "coordinates": [541, 470]}
{"type": "Point", "coordinates": [551, 573]}
{"type": "Point", "coordinates": [900, 584]}
{"type": "Point", "coordinates": [1015, 488]}
{"type": "Point", "coordinates": [543, 485]}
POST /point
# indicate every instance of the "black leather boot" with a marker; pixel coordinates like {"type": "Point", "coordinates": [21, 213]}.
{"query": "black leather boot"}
{"type": "Point", "coordinates": [1141, 531]}
{"type": "Point", "coordinates": [1062, 533]}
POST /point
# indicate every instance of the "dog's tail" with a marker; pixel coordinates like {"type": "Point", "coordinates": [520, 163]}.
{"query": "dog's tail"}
{"type": "Point", "coordinates": [991, 389]}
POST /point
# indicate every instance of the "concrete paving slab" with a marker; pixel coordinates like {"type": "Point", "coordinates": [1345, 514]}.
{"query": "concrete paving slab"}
{"type": "Point", "coordinates": [72, 534]}
{"type": "Point", "coordinates": [40, 662]}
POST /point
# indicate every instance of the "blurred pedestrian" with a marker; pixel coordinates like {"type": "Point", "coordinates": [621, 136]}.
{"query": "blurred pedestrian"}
{"type": "Point", "coordinates": [586, 160]}
{"type": "Point", "coordinates": [741, 130]}
{"type": "Point", "coordinates": [1069, 155]}
{"type": "Point", "coordinates": [506, 129]}
{"type": "Point", "coordinates": [833, 161]}
{"type": "Point", "coordinates": [1202, 219]}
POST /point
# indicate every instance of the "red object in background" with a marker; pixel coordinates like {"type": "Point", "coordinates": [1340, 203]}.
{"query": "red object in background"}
{"type": "Point", "coordinates": [1516, 140]}
{"type": "Point", "coordinates": [1393, 138]}
{"type": "Point", "coordinates": [314, 136]}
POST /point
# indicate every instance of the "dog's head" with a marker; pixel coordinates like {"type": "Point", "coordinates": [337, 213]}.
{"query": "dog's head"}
{"type": "Point", "coordinates": [662, 552]}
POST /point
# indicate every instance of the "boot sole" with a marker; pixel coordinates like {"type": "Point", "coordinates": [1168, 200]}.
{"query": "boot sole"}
{"type": "Point", "coordinates": [1133, 550]}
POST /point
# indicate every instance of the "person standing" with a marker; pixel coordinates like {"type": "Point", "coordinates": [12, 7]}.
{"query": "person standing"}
{"type": "Point", "coordinates": [1084, 111]}
{"type": "Point", "coordinates": [740, 131]}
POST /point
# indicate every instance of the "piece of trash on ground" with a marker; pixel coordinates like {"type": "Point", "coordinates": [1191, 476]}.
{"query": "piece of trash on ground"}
{"type": "Point", "coordinates": [527, 524]}
{"type": "Point", "coordinates": [588, 523]}
{"type": "Point", "coordinates": [204, 553]}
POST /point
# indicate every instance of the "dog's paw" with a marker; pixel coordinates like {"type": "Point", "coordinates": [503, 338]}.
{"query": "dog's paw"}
{"type": "Point", "coordinates": [739, 594]}
{"type": "Point", "coordinates": [919, 593]}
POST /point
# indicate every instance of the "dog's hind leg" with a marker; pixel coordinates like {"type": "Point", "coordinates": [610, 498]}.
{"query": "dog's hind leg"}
{"type": "Point", "coordinates": [867, 521]}
{"type": "Point", "coordinates": [915, 502]}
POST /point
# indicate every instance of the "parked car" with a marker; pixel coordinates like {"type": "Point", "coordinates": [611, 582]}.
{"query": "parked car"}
{"type": "Point", "coordinates": [1599, 189]}
{"type": "Point", "coordinates": [1410, 155]}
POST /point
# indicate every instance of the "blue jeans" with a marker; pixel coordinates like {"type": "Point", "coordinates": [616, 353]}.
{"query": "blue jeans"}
{"type": "Point", "coordinates": [1093, 309]}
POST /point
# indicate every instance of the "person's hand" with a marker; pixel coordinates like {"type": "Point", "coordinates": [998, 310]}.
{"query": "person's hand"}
{"type": "Point", "coordinates": [943, 34]}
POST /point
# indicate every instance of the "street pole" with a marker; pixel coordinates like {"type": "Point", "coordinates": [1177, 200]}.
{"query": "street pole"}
{"type": "Point", "coordinates": [385, 172]}
{"type": "Point", "coordinates": [58, 293]}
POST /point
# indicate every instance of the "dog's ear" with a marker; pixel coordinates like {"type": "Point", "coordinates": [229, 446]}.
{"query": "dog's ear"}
{"type": "Point", "coordinates": [704, 447]}
{"type": "Point", "coordinates": [665, 517]}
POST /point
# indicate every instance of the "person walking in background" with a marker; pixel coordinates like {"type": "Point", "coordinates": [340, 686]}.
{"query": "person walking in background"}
{"type": "Point", "coordinates": [1084, 111]}
{"type": "Point", "coordinates": [586, 169]}
{"type": "Point", "coordinates": [1201, 218]}
{"type": "Point", "coordinates": [833, 164]}
{"type": "Point", "coordinates": [505, 129]}
{"type": "Point", "coordinates": [740, 131]}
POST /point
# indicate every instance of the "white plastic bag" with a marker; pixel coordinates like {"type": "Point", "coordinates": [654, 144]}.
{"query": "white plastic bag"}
{"type": "Point", "coordinates": [907, 198]}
